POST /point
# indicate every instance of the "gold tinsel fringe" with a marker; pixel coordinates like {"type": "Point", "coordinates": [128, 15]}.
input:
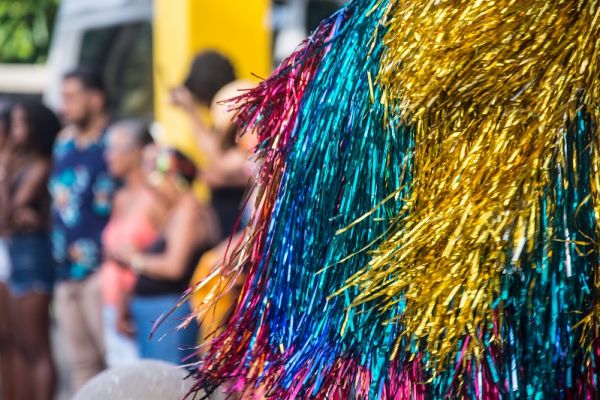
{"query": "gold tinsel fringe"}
{"type": "Point", "coordinates": [489, 86]}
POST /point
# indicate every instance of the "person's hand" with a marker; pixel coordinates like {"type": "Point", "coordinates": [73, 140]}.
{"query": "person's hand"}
{"type": "Point", "coordinates": [122, 255]}
{"type": "Point", "coordinates": [182, 97]}
{"type": "Point", "coordinates": [26, 219]}
{"type": "Point", "coordinates": [125, 324]}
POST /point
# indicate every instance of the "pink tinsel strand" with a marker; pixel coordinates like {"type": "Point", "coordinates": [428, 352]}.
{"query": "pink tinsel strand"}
{"type": "Point", "coordinates": [271, 110]}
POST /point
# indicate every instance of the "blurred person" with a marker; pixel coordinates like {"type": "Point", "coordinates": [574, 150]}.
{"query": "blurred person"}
{"type": "Point", "coordinates": [164, 269]}
{"type": "Point", "coordinates": [133, 225]}
{"type": "Point", "coordinates": [7, 348]}
{"type": "Point", "coordinates": [232, 170]}
{"type": "Point", "coordinates": [25, 207]}
{"type": "Point", "coordinates": [229, 169]}
{"type": "Point", "coordinates": [229, 173]}
{"type": "Point", "coordinates": [82, 191]}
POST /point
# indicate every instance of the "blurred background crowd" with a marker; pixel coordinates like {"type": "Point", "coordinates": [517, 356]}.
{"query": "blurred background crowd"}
{"type": "Point", "coordinates": [123, 178]}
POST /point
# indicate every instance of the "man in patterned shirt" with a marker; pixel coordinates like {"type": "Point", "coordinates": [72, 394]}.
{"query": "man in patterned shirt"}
{"type": "Point", "coordinates": [81, 190]}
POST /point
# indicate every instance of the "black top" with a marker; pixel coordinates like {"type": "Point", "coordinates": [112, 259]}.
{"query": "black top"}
{"type": "Point", "coordinates": [39, 206]}
{"type": "Point", "coordinates": [146, 286]}
{"type": "Point", "coordinates": [227, 203]}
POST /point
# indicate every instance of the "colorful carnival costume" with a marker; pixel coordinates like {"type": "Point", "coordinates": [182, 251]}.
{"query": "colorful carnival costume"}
{"type": "Point", "coordinates": [426, 223]}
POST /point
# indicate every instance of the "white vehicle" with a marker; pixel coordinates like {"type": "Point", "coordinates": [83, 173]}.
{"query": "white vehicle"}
{"type": "Point", "coordinates": [112, 36]}
{"type": "Point", "coordinates": [293, 20]}
{"type": "Point", "coordinates": [19, 81]}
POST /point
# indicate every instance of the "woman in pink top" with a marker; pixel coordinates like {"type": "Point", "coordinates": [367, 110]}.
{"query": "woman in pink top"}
{"type": "Point", "coordinates": [133, 226]}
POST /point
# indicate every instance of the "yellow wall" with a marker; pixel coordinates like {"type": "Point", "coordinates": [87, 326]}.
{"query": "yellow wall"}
{"type": "Point", "coordinates": [237, 28]}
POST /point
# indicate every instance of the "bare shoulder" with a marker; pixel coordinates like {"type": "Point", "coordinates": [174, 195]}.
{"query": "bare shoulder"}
{"type": "Point", "coordinates": [67, 133]}
{"type": "Point", "coordinates": [189, 206]}
{"type": "Point", "coordinates": [193, 211]}
{"type": "Point", "coordinates": [122, 197]}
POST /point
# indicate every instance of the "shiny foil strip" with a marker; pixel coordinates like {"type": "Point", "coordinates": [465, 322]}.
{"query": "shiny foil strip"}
{"type": "Point", "coordinates": [426, 223]}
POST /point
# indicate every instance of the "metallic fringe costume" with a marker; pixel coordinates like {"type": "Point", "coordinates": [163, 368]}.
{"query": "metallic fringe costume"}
{"type": "Point", "coordinates": [426, 222]}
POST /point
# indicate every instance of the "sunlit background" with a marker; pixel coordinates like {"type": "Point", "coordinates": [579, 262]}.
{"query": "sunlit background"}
{"type": "Point", "coordinates": [143, 49]}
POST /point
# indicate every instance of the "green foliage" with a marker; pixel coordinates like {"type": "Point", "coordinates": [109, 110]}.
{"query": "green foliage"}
{"type": "Point", "coordinates": [26, 29]}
